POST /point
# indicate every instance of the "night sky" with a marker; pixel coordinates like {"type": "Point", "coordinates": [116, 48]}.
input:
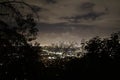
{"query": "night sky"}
{"type": "Point", "coordinates": [73, 20]}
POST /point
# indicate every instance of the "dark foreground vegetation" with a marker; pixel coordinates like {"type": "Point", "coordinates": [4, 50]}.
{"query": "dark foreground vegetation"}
{"type": "Point", "coordinates": [20, 58]}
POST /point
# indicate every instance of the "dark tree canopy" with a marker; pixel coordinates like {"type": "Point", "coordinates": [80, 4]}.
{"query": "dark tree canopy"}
{"type": "Point", "coordinates": [19, 60]}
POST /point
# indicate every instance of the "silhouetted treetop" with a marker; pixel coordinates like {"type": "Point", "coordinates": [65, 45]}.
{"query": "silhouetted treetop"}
{"type": "Point", "coordinates": [23, 22]}
{"type": "Point", "coordinates": [19, 59]}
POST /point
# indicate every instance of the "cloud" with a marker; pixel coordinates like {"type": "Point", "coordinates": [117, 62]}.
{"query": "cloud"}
{"type": "Point", "coordinates": [69, 20]}
{"type": "Point", "coordinates": [87, 16]}
{"type": "Point", "coordinates": [52, 33]}
{"type": "Point", "coordinates": [88, 6]}
{"type": "Point", "coordinates": [72, 11]}
{"type": "Point", "coordinates": [51, 1]}
{"type": "Point", "coordinates": [55, 10]}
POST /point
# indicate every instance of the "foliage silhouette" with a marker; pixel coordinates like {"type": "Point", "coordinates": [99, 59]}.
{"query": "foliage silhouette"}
{"type": "Point", "coordinates": [102, 59]}
{"type": "Point", "coordinates": [19, 59]}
